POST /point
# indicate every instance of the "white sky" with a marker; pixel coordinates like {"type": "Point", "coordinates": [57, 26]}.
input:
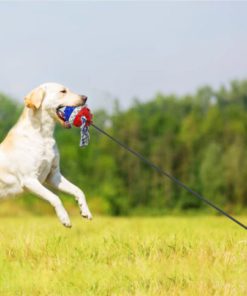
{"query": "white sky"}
{"type": "Point", "coordinates": [122, 50]}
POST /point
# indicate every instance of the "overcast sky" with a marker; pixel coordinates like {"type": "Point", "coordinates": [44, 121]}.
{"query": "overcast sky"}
{"type": "Point", "coordinates": [122, 50]}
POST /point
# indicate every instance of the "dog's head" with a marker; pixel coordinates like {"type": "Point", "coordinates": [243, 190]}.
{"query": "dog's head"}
{"type": "Point", "coordinates": [52, 96]}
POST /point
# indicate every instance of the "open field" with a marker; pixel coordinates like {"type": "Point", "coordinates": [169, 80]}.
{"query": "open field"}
{"type": "Point", "coordinates": [122, 256]}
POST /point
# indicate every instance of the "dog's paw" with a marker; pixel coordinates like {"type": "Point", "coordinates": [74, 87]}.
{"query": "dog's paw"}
{"type": "Point", "coordinates": [67, 224]}
{"type": "Point", "coordinates": [63, 216]}
{"type": "Point", "coordinates": [66, 221]}
{"type": "Point", "coordinates": [85, 213]}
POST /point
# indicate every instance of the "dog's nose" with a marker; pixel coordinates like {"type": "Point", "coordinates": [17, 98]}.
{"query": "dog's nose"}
{"type": "Point", "coordinates": [84, 98]}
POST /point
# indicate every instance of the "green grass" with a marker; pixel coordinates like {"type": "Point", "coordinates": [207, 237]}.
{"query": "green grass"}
{"type": "Point", "coordinates": [122, 256]}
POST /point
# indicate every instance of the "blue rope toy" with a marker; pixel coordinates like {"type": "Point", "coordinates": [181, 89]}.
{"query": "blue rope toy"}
{"type": "Point", "coordinates": [77, 116]}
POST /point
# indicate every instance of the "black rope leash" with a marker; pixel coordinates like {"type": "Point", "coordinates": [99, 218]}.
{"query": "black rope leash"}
{"type": "Point", "coordinates": [175, 180]}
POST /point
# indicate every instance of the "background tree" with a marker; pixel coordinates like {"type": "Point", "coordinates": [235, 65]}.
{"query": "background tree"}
{"type": "Point", "coordinates": [200, 139]}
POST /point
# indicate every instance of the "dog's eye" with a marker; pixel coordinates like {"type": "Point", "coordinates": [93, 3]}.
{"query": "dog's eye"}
{"type": "Point", "coordinates": [63, 91]}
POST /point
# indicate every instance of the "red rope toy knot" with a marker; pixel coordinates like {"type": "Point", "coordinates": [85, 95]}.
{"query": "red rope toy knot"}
{"type": "Point", "coordinates": [84, 112]}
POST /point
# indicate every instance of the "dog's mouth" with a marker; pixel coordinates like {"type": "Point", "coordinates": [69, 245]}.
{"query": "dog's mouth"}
{"type": "Point", "coordinates": [60, 112]}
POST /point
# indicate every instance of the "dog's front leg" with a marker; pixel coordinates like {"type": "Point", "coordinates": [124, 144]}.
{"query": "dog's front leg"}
{"type": "Point", "coordinates": [60, 182]}
{"type": "Point", "coordinates": [36, 187]}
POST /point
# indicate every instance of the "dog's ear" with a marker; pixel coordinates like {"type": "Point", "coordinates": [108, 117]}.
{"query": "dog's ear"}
{"type": "Point", "coordinates": [34, 99]}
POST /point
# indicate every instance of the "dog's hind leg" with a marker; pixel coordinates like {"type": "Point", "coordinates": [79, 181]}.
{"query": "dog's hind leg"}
{"type": "Point", "coordinates": [60, 182]}
{"type": "Point", "coordinates": [9, 185]}
{"type": "Point", "coordinates": [36, 187]}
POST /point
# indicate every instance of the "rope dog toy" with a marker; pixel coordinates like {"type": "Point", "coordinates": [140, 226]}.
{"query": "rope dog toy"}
{"type": "Point", "coordinates": [80, 116]}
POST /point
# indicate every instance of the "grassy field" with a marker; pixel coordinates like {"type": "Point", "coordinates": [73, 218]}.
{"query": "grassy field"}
{"type": "Point", "coordinates": [122, 256]}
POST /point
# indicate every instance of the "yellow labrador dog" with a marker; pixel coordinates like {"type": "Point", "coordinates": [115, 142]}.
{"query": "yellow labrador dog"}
{"type": "Point", "coordinates": [29, 156]}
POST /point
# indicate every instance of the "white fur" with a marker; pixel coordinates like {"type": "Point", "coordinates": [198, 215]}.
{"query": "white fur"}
{"type": "Point", "coordinates": [29, 156]}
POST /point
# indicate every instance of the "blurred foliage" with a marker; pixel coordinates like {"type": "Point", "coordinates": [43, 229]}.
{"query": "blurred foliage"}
{"type": "Point", "coordinates": [201, 139]}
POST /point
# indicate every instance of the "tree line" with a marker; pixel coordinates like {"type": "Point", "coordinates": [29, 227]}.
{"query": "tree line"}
{"type": "Point", "coordinates": [199, 138]}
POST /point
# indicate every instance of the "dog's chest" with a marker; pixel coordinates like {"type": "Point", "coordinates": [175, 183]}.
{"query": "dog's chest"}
{"type": "Point", "coordinates": [46, 161]}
